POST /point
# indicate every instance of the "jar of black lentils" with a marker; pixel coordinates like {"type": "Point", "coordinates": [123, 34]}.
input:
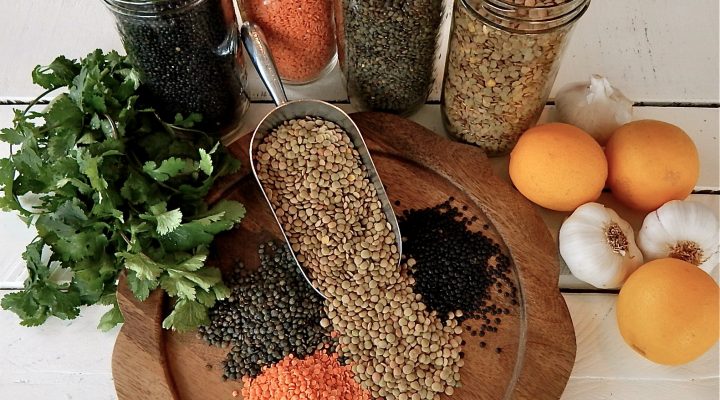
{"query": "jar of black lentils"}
{"type": "Point", "coordinates": [188, 55]}
{"type": "Point", "coordinates": [503, 57]}
{"type": "Point", "coordinates": [387, 50]}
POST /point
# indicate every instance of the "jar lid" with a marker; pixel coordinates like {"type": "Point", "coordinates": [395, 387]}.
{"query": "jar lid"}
{"type": "Point", "coordinates": [528, 16]}
{"type": "Point", "coordinates": [150, 8]}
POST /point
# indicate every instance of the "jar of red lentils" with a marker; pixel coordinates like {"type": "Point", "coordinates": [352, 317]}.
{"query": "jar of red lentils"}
{"type": "Point", "coordinates": [300, 34]}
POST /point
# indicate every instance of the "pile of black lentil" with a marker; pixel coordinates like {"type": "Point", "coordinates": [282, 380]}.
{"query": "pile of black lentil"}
{"type": "Point", "coordinates": [455, 268]}
{"type": "Point", "coordinates": [177, 45]}
{"type": "Point", "coordinates": [271, 313]}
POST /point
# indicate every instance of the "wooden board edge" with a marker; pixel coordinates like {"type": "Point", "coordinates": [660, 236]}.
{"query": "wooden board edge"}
{"type": "Point", "coordinates": [139, 357]}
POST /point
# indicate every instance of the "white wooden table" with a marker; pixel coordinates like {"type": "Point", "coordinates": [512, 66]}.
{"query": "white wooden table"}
{"type": "Point", "coordinates": [662, 53]}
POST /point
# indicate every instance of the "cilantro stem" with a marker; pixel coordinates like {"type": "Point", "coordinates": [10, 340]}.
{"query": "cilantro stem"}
{"type": "Point", "coordinates": [37, 99]}
{"type": "Point", "coordinates": [112, 126]}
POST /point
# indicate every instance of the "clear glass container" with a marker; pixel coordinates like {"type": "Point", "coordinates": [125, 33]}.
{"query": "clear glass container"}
{"type": "Point", "coordinates": [387, 51]}
{"type": "Point", "coordinates": [188, 55]}
{"type": "Point", "coordinates": [300, 34]}
{"type": "Point", "coordinates": [501, 65]}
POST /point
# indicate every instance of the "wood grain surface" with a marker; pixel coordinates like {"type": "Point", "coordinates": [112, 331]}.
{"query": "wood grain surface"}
{"type": "Point", "coordinates": [419, 169]}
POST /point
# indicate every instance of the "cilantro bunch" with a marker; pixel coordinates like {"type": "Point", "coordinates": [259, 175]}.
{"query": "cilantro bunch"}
{"type": "Point", "coordinates": [111, 188]}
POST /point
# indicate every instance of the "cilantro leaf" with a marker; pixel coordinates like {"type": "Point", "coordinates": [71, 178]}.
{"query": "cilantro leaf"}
{"type": "Point", "coordinates": [168, 221]}
{"type": "Point", "coordinates": [110, 319]}
{"type": "Point", "coordinates": [168, 168]}
{"type": "Point", "coordinates": [59, 73]}
{"type": "Point", "coordinates": [205, 162]}
{"type": "Point", "coordinates": [188, 122]}
{"type": "Point", "coordinates": [142, 265]}
{"type": "Point", "coordinates": [186, 315]}
{"type": "Point", "coordinates": [115, 189]}
{"type": "Point", "coordinates": [64, 113]}
{"type": "Point", "coordinates": [141, 288]}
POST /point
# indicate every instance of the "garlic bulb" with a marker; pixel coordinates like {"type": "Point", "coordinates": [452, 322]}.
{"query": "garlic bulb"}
{"type": "Point", "coordinates": [681, 229]}
{"type": "Point", "coordinates": [598, 246]}
{"type": "Point", "coordinates": [595, 107]}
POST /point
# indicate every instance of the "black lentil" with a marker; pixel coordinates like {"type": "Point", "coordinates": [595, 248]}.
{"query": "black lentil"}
{"type": "Point", "coordinates": [186, 59]}
{"type": "Point", "coordinates": [389, 49]}
{"type": "Point", "coordinates": [455, 268]}
{"type": "Point", "coordinates": [271, 313]}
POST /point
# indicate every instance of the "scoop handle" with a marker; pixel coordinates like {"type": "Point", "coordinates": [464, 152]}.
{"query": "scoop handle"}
{"type": "Point", "coordinates": [259, 52]}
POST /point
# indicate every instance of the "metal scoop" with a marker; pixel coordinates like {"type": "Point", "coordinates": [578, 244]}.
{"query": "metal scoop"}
{"type": "Point", "coordinates": [254, 42]}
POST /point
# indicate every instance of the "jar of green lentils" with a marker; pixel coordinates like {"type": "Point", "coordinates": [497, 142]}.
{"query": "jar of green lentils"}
{"type": "Point", "coordinates": [502, 61]}
{"type": "Point", "coordinates": [387, 51]}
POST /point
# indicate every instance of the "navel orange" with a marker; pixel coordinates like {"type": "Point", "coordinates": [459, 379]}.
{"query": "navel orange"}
{"type": "Point", "coordinates": [650, 163]}
{"type": "Point", "coordinates": [668, 311]}
{"type": "Point", "coordinates": [558, 166]}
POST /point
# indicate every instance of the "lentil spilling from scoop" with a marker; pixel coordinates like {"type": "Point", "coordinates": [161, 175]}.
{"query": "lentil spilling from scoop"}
{"type": "Point", "coordinates": [270, 314]}
{"type": "Point", "coordinates": [322, 196]}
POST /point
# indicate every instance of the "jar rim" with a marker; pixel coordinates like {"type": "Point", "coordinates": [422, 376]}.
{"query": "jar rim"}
{"type": "Point", "coordinates": [150, 8]}
{"type": "Point", "coordinates": [567, 14]}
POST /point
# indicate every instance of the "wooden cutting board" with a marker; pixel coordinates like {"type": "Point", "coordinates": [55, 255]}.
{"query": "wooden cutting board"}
{"type": "Point", "coordinates": [420, 169]}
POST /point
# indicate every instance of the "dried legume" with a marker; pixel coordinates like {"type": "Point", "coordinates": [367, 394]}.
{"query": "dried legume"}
{"type": "Point", "coordinates": [184, 66]}
{"type": "Point", "coordinates": [455, 269]}
{"type": "Point", "coordinates": [300, 34]}
{"type": "Point", "coordinates": [270, 314]}
{"type": "Point", "coordinates": [497, 81]}
{"type": "Point", "coordinates": [390, 49]}
{"type": "Point", "coordinates": [318, 376]}
{"type": "Point", "coordinates": [324, 199]}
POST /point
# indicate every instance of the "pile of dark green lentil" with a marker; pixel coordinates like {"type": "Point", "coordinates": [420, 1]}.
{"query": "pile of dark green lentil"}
{"type": "Point", "coordinates": [455, 268]}
{"type": "Point", "coordinates": [390, 48]}
{"type": "Point", "coordinates": [271, 313]}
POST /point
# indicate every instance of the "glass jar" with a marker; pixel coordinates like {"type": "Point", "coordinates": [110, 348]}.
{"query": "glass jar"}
{"type": "Point", "coordinates": [188, 56]}
{"type": "Point", "coordinates": [300, 34]}
{"type": "Point", "coordinates": [387, 51]}
{"type": "Point", "coordinates": [501, 65]}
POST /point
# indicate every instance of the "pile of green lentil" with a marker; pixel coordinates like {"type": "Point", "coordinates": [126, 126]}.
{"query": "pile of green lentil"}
{"type": "Point", "coordinates": [271, 313]}
{"type": "Point", "coordinates": [316, 182]}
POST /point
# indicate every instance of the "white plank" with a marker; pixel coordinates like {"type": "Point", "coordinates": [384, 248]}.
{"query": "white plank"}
{"type": "Point", "coordinates": [602, 353]}
{"type": "Point", "coordinates": [57, 360]}
{"type": "Point", "coordinates": [63, 359]}
{"type": "Point", "coordinates": [630, 389]}
{"type": "Point", "coordinates": [655, 50]}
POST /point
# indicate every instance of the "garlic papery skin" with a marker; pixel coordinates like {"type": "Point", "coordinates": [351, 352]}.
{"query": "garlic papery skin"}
{"type": "Point", "coordinates": [595, 107]}
{"type": "Point", "coordinates": [598, 246]}
{"type": "Point", "coordinates": [682, 229]}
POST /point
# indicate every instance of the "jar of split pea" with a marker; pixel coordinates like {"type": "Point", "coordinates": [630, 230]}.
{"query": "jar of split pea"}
{"type": "Point", "coordinates": [502, 61]}
{"type": "Point", "coordinates": [300, 34]}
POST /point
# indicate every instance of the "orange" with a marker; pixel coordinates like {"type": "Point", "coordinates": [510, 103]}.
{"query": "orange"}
{"type": "Point", "coordinates": [650, 163]}
{"type": "Point", "coordinates": [668, 311]}
{"type": "Point", "coordinates": [558, 166]}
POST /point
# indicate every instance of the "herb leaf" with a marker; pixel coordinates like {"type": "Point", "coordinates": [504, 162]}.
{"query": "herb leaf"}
{"type": "Point", "coordinates": [119, 191]}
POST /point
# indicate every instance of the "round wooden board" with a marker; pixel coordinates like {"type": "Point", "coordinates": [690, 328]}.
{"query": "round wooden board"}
{"type": "Point", "coordinates": [420, 169]}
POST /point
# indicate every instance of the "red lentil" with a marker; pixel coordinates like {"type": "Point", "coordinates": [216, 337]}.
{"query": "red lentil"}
{"type": "Point", "coordinates": [318, 376]}
{"type": "Point", "coordinates": [300, 33]}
